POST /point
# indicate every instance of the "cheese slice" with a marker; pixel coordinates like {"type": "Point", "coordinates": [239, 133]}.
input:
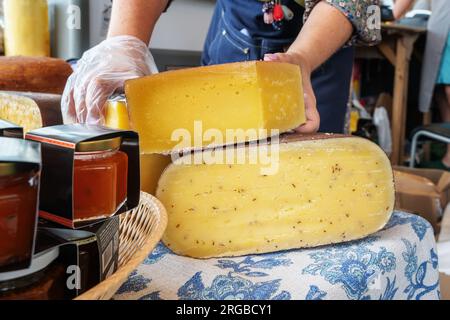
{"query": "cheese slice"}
{"type": "Point", "coordinates": [326, 189]}
{"type": "Point", "coordinates": [247, 95]}
{"type": "Point", "coordinates": [117, 115]}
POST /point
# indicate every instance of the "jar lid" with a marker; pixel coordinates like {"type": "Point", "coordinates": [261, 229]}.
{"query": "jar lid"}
{"type": "Point", "coordinates": [99, 145]}
{"type": "Point", "coordinates": [40, 262]}
{"type": "Point", "coordinates": [12, 168]}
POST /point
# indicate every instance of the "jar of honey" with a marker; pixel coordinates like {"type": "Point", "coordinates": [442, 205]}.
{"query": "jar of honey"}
{"type": "Point", "coordinates": [100, 179]}
{"type": "Point", "coordinates": [19, 187]}
{"type": "Point", "coordinates": [43, 280]}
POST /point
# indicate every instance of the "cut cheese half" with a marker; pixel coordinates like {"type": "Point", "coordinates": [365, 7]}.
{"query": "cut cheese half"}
{"type": "Point", "coordinates": [174, 110]}
{"type": "Point", "coordinates": [327, 189]}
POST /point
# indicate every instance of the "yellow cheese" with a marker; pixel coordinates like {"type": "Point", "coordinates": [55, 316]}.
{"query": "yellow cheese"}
{"type": "Point", "coordinates": [326, 190]}
{"type": "Point", "coordinates": [117, 115]}
{"type": "Point", "coordinates": [152, 166]}
{"type": "Point", "coordinates": [249, 95]}
{"type": "Point", "coordinates": [20, 110]}
{"type": "Point", "coordinates": [27, 30]}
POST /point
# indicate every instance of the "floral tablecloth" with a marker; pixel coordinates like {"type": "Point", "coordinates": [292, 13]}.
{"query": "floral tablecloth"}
{"type": "Point", "coordinates": [399, 262]}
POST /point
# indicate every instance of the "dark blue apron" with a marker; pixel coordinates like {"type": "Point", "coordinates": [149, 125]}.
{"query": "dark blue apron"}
{"type": "Point", "coordinates": [238, 33]}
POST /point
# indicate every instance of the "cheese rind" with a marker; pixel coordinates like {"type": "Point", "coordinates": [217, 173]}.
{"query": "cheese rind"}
{"type": "Point", "coordinates": [248, 95]}
{"type": "Point", "coordinates": [34, 74]}
{"type": "Point", "coordinates": [21, 111]}
{"type": "Point", "coordinates": [325, 191]}
{"type": "Point", "coordinates": [30, 110]}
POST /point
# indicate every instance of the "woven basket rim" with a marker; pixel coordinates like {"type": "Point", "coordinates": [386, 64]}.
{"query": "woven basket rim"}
{"type": "Point", "coordinates": [106, 289]}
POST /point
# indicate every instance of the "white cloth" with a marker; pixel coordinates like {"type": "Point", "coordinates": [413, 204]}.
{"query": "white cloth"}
{"type": "Point", "coordinates": [381, 121]}
{"type": "Point", "coordinates": [399, 262]}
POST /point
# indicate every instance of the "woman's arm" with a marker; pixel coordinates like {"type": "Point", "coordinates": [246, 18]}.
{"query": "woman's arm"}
{"type": "Point", "coordinates": [103, 69]}
{"type": "Point", "coordinates": [135, 18]}
{"type": "Point", "coordinates": [325, 31]}
{"type": "Point", "coordinates": [401, 7]}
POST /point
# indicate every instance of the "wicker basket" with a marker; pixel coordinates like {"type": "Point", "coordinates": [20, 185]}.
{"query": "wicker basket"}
{"type": "Point", "coordinates": [140, 231]}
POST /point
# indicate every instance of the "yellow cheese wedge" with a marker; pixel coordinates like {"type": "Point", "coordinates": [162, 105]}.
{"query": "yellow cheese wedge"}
{"type": "Point", "coordinates": [117, 115]}
{"type": "Point", "coordinates": [20, 110]}
{"type": "Point", "coordinates": [248, 95]}
{"type": "Point", "coordinates": [326, 190]}
{"type": "Point", "coordinates": [152, 166]}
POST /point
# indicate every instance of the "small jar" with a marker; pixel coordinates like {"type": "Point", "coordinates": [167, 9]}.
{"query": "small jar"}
{"type": "Point", "coordinates": [43, 280]}
{"type": "Point", "coordinates": [19, 187]}
{"type": "Point", "coordinates": [100, 179]}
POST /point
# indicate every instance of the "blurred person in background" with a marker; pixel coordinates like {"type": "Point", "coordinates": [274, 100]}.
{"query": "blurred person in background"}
{"type": "Point", "coordinates": [435, 81]}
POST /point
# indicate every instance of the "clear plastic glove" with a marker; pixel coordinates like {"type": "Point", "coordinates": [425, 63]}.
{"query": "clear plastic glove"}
{"type": "Point", "coordinates": [100, 73]}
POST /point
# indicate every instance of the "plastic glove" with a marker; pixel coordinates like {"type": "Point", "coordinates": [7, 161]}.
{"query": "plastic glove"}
{"type": "Point", "coordinates": [100, 73]}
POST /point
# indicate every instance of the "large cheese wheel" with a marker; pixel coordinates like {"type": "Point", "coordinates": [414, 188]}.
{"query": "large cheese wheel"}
{"type": "Point", "coordinates": [316, 190]}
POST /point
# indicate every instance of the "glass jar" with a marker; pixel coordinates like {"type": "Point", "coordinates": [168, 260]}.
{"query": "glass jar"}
{"type": "Point", "coordinates": [44, 280]}
{"type": "Point", "coordinates": [19, 189]}
{"type": "Point", "coordinates": [100, 179]}
{"type": "Point", "coordinates": [27, 30]}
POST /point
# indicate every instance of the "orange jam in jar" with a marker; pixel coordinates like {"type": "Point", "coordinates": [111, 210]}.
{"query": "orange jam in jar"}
{"type": "Point", "coordinates": [99, 179]}
{"type": "Point", "coordinates": [19, 189]}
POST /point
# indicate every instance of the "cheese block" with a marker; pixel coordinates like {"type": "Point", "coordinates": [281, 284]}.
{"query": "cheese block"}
{"type": "Point", "coordinates": [325, 189]}
{"type": "Point", "coordinates": [30, 110]}
{"type": "Point", "coordinates": [116, 115]}
{"type": "Point", "coordinates": [188, 103]}
{"type": "Point", "coordinates": [34, 74]}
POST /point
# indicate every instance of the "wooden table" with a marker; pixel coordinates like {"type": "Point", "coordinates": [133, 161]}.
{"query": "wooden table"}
{"type": "Point", "coordinates": [397, 47]}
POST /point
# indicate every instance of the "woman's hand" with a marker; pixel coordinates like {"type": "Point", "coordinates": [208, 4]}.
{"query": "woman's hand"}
{"type": "Point", "coordinates": [101, 72]}
{"type": "Point", "coordinates": [312, 115]}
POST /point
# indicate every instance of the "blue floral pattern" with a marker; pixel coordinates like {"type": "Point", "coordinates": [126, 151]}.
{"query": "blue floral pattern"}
{"type": "Point", "coordinates": [230, 287]}
{"type": "Point", "coordinates": [135, 283]}
{"type": "Point", "coordinates": [315, 293]}
{"type": "Point", "coordinates": [160, 251]}
{"type": "Point", "coordinates": [416, 273]}
{"type": "Point", "coordinates": [419, 225]}
{"type": "Point", "coordinates": [251, 263]}
{"type": "Point", "coordinates": [354, 267]}
{"type": "Point", "coordinates": [399, 262]}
